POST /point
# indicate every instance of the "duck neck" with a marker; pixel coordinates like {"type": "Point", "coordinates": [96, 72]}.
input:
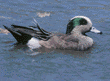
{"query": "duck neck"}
{"type": "Point", "coordinates": [84, 42]}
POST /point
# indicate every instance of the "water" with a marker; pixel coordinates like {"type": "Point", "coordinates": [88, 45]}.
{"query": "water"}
{"type": "Point", "coordinates": [19, 63]}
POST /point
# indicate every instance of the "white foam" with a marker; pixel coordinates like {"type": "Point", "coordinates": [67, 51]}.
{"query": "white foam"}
{"type": "Point", "coordinates": [33, 43]}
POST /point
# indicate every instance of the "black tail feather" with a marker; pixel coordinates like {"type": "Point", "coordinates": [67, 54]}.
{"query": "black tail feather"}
{"type": "Point", "coordinates": [41, 29]}
{"type": "Point", "coordinates": [12, 31]}
{"type": "Point", "coordinates": [19, 36]}
{"type": "Point", "coordinates": [23, 34]}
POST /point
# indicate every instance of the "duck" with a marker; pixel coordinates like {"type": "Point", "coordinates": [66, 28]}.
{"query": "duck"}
{"type": "Point", "coordinates": [75, 37]}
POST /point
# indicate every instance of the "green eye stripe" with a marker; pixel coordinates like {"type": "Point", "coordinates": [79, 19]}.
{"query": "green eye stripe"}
{"type": "Point", "coordinates": [76, 21]}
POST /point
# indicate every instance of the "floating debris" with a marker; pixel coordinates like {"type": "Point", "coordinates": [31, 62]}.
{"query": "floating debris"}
{"type": "Point", "coordinates": [4, 31]}
{"type": "Point", "coordinates": [5, 17]}
{"type": "Point", "coordinates": [43, 14]}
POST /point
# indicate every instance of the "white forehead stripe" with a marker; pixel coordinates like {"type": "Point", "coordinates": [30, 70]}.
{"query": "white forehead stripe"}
{"type": "Point", "coordinates": [82, 17]}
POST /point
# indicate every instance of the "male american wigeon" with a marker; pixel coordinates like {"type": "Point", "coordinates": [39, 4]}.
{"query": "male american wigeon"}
{"type": "Point", "coordinates": [75, 38]}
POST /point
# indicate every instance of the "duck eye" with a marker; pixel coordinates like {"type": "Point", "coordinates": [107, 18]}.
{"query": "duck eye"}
{"type": "Point", "coordinates": [93, 28]}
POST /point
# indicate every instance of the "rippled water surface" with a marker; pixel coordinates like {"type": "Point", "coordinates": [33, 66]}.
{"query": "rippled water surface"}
{"type": "Point", "coordinates": [19, 63]}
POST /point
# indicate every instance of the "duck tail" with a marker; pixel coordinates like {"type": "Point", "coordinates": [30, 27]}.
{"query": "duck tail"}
{"type": "Point", "coordinates": [44, 35]}
{"type": "Point", "coordinates": [40, 29]}
{"type": "Point", "coordinates": [23, 34]}
{"type": "Point", "coordinates": [20, 36]}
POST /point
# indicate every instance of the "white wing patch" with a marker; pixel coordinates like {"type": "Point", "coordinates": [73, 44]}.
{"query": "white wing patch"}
{"type": "Point", "coordinates": [33, 43]}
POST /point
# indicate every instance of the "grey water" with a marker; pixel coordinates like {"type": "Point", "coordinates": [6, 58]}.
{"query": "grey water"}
{"type": "Point", "coordinates": [19, 63]}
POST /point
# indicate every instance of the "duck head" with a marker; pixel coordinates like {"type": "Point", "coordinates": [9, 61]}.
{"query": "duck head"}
{"type": "Point", "coordinates": [81, 24]}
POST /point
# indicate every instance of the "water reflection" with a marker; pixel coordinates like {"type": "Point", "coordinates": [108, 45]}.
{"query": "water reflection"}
{"type": "Point", "coordinates": [43, 50]}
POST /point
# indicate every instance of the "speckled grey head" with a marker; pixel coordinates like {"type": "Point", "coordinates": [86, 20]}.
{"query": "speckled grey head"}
{"type": "Point", "coordinates": [78, 21]}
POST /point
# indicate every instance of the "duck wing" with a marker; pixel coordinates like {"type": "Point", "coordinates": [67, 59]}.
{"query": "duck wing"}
{"type": "Point", "coordinates": [23, 34]}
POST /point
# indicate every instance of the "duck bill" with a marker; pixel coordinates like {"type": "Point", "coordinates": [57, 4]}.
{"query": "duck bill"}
{"type": "Point", "coordinates": [94, 30]}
